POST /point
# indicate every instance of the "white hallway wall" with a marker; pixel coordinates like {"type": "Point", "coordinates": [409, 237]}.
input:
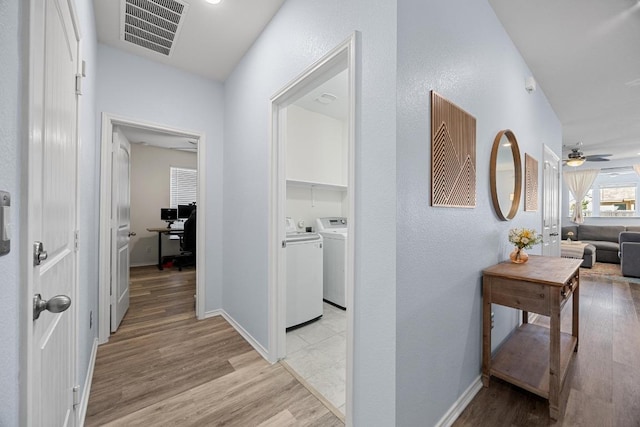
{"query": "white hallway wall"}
{"type": "Point", "coordinates": [11, 166]}
{"type": "Point", "coordinates": [301, 33]}
{"type": "Point", "coordinates": [89, 192]}
{"type": "Point", "coordinates": [136, 88]}
{"type": "Point", "coordinates": [460, 49]}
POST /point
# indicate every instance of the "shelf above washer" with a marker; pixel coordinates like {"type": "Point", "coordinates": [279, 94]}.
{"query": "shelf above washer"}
{"type": "Point", "coordinates": [320, 185]}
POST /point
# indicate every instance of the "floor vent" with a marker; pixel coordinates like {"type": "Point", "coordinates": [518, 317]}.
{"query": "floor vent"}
{"type": "Point", "coordinates": [152, 24]}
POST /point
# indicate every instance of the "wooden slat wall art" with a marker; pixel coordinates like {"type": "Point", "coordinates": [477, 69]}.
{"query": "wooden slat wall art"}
{"type": "Point", "coordinates": [530, 183]}
{"type": "Point", "coordinates": [453, 155]}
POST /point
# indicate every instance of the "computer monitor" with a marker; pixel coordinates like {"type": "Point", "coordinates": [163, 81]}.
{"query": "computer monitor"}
{"type": "Point", "coordinates": [168, 214]}
{"type": "Point", "coordinates": [184, 211]}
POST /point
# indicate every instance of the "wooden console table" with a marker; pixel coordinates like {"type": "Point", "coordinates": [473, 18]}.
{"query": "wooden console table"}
{"type": "Point", "coordinates": [534, 357]}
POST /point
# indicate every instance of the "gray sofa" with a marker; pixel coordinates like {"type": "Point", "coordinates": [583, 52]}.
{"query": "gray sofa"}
{"type": "Point", "coordinates": [605, 238]}
{"type": "Point", "coordinates": [630, 253]}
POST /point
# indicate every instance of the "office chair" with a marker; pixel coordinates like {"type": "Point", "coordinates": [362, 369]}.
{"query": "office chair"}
{"type": "Point", "coordinates": [187, 255]}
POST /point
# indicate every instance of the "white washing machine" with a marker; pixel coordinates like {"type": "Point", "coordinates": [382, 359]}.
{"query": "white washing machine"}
{"type": "Point", "coordinates": [304, 276]}
{"type": "Point", "coordinates": [334, 232]}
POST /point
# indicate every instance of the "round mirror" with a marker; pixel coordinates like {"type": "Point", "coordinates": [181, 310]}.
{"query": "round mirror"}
{"type": "Point", "coordinates": [506, 175]}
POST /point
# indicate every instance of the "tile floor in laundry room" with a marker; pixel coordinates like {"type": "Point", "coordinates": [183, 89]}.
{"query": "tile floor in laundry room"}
{"type": "Point", "coordinates": [317, 352]}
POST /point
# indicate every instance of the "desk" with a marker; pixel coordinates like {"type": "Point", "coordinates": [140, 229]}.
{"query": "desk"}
{"type": "Point", "coordinates": [161, 231]}
{"type": "Point", "coordinates": [543, 285]}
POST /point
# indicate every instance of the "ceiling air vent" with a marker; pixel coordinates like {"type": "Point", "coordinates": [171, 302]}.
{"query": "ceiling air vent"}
{"type": "Point", "coordinates": [152, 24]}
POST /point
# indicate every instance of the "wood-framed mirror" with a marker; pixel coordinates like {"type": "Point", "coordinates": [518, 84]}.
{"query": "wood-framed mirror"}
{"type": "Point", "coordinates": [506, 175]}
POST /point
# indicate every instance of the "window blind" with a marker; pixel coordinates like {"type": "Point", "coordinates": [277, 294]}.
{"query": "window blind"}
{"type": "Point", "coordinates": [183, 186]}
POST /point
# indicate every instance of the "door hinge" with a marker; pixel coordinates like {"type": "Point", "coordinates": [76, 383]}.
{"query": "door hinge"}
{"type": "Point", "coordinates": [76, 396]}
{"type": "Point", "coordinates": [78, 84]}
{"type": "Point", "coordinates": [76, 240]}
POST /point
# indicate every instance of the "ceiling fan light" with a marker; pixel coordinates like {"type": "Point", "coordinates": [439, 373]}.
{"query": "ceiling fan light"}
{"type": "Point", "coordinates": [575, 162]}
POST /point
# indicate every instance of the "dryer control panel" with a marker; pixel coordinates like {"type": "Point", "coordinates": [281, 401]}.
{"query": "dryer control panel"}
{"type": "Point", "coordinates": [331, 223]}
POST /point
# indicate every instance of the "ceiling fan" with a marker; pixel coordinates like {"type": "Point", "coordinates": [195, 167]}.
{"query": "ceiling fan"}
{"type": "Point", "coordinates": [576, 157]}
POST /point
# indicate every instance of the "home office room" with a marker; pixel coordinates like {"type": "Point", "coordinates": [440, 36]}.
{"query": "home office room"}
{"type": "Point", "coordinates": [154, 185]}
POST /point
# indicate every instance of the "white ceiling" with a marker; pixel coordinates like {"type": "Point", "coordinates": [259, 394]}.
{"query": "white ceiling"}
{"type": "Point", "coordinates": [585, 56]}
{"type": "Point", "coordinates": [212, 40]}
{"type": "Point", "coordinates": [583, 53]}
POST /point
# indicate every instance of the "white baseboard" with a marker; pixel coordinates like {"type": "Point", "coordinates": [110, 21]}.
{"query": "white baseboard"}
{"type": "Point", "coordinates": [213, 313]}
{"type": "Point", "coordinates": [84, 401]}
{"type": "Point", "coordinates": [144, 264]}
{"type": "Point", "coordinates": [246, 335]}
{"type": "Point", "coordinates": [463, 401]}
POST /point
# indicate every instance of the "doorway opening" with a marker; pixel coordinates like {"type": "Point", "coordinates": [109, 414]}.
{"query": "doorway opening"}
{"type": "Point", "coordinates": [312, 189]}
{"type": "Point", "coordinates": [158, 236]}
{"type": "Point", "coordinates": [551, 203]}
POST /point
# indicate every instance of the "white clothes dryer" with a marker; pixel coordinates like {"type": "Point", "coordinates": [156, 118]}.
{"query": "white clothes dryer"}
{"type": "Point", "coordinates": [334, 270]}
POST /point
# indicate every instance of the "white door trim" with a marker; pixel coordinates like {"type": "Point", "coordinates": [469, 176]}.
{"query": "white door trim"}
{"type": "Point", "coordinates": [343, 53]}
{"type": "Point", "coordinates": [104, 298]}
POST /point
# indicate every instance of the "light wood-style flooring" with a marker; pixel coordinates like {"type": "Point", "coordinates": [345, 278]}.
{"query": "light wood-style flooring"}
{"type": "Point", "coordinates": [603, 385]}
{"type": "Point", "coordinates": [163, 367]}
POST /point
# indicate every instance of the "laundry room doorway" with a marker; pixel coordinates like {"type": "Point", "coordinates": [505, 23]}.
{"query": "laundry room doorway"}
{"type": "Point", "coordinates": [311, 249]}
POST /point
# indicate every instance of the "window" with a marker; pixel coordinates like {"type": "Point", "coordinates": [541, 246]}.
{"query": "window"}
{"type": "Point", "coordinates": [614, 193]}
{"type": "Point", "coordinates": [618, 200]}
{"type": "Point", "coordinates": [183, 186]}
{"type": "Point", "coordinates": [586, 205]}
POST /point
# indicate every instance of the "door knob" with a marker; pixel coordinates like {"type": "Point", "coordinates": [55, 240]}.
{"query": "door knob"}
{"type": "Point", "coordinates": [57, 304]}
{"type": "Point", "coordinates": [553, 234]}
{"type": "Point", "coordinates": [133, 233]}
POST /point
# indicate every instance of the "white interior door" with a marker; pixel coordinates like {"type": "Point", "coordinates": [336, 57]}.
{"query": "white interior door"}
{"type": "Point", "coordinates": [121, 230]}
{"type": "Point", "coordinates": [52, 212]}
{"type": "Point", "coordinates": [551, 204]}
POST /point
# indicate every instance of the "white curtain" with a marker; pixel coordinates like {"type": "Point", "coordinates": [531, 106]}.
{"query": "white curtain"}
{"type": "Point", "coordinates": [579, 183]}
{"type": "Point", "coordinates": [636, 168]}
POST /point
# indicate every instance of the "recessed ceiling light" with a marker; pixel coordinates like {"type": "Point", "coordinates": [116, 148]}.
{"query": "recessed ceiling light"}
{"type": "Point", "coordinates": [214, 1]}
{"type": "Point", "coordinates": [326, 98]}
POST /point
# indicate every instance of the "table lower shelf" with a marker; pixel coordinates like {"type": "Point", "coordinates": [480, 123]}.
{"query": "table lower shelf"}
{"type": "Point", "coordinates": [523, 360]}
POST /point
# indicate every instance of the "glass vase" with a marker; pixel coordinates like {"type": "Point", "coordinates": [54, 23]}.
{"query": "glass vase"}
{"type": "Point", "coordinates": [518, 256]}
